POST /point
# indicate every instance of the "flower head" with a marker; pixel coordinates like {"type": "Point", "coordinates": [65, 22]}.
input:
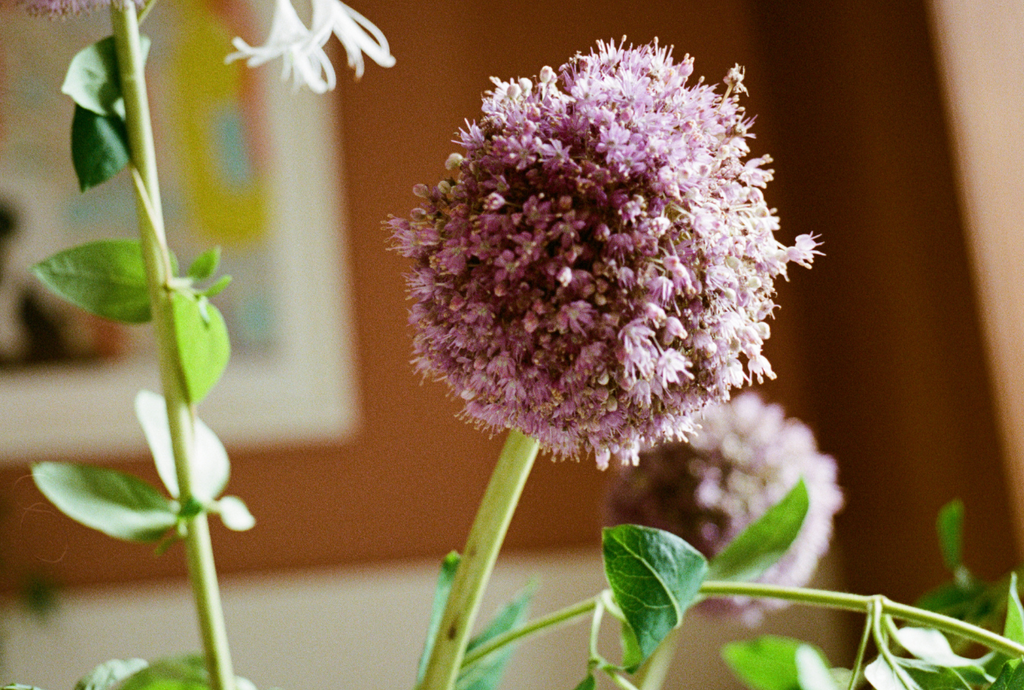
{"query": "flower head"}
{"type": "Point", "coordinates": [601, 263]}
{"type": "Point", "coordinates": [745, 458]}
{"type": "Point", "coordinates": [62, 8]}
{"type": "Point", "coordinates": [302, 49]}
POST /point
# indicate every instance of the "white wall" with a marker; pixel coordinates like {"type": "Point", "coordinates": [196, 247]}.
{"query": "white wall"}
{"type": "Point", "coordinates": [355, 628]}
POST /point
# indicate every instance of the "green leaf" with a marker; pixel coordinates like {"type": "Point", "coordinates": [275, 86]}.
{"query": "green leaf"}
{"type": "Point", "coordinates": [235, 514]}
{"type": "Point", "coordinates": [764, 541]}
{"type": "Point", "coordinates": [950, 526]}
{"type": "Point", "coordinates": [912, 674]}
{"type": "Point", "coordinates": [812, 669]}
{"type": "Point", "coordinates": [105, 277]}
{"type": "Point", "coordinates": [1011, 676]}
{"type": "Point", "coordinates": [99, 147]}
{"type": "Point", "coordinates": [110, 673]}
{"type": "Point", "coordinates": [205, 264]}
{"type": "Point", "coordinates": [486, 673]}
{"type": "Point", "coordinates": [588, 683]}
{"type": "Point", "coordinates": [202, 341]}
{"type": "Point", "coordinates": [217, 287]}
{"type": "Point", "coordinates": [964, 600]}
{"type": "Point", "coordinates": [186, 672]}
{"type": "Point", "coordinates": [210, 465]}
{"type": "Point", "coordinates": [765, 663]}
{"type": "Point", "coordinates": [19, 686]}
{"type": "Point", "coordinates": [1014, 628]}
{"type": "Point", "coordinates": [444, 586]}
{"type": "Point", "coordinates": [654, 576]}
{"type": "Point", "coordinates": [93, 80]}
{"type": "Point", "coordinates": [931, 646]}
{"type": "Point", "coordinates": [112, 502]}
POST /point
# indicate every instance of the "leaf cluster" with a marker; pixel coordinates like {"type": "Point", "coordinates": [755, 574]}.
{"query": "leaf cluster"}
{"type": "Point", "coordinates": [125, 507]}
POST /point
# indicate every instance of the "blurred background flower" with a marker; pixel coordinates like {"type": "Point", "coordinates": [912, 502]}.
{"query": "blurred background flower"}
{"type": "Point", "coordinates": [744, 459]}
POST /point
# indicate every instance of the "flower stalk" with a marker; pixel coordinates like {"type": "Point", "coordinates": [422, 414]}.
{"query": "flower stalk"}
{"type": "Point", "coordinates": [478, 558]}
{"type": "Point", "coordinates": [180, 414]}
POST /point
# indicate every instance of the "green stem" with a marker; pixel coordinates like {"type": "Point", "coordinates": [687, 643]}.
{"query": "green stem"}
{"type": "Point", "coordinates": [181, 419]}
{"type": "Point", "coordinates": [482, 546]}
{"type": "Point", "coordinates": [858, 662]}
{"type": "Point", "coordinates": [877, 608]}
{"type": "Point", "coordinates": [652, 674]}
{"type": "Point", "coordinates": [543, 624]}
{"type": "Point", "coordinates": [862, 603]}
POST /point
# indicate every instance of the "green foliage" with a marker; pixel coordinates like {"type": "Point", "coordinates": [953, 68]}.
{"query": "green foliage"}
{"type": "Point", "coordinates": [105, 277]}
{"type": "Point", "coordinates": [441, 591]}
{"type": "Point", "coordinates": [588, 683]}
{"type": "Point", "coordinates": [1014, 626]}
{"type": "Point", "coordinates": [110, 673]}
{"type": "Point", "coordinates": [486, 673]}
{"type": "Point", "coordinates": [894, 673]}
{"type": "Point", "coordinates": [932, 647]}
{"type": "Point", "coordinates": [210, 465]}
{"type": "Point", "coordinates": [92, 80]}
{"type": "Point", "coordinates": [770, 662]}
{"type": "Point", "coordinates": [112, 502]}
{"type": "Point", "coordinates": [202, 342]}
{"type": "Point", "coordinates": [205, 264]}
{"type": "Point", "coordinates": [186, 672]}
{"type": "Point", "coordinates": [949, 524]}
{"type": "Point", "coordinates": [764, 541]}
{"type": "Point", "coordinates": [99, 147]}
{"type": "Point", "coordinates": [812, 669]}
{"type": "Point", "coordinates": [654, 576]}
{"type": "Point", "coordinates": [1011, 677]}
{"type": "Point", "coordinates": [235, 514]}
{"type": "Point", "coordinates": [19, 686]}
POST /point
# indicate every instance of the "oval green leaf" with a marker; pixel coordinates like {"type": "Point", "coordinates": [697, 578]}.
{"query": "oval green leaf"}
{"type": "Point", "coordinates": [93, 81]}
{"type": "Point", "coordinates": [235, 514]}
{"type": "Point", "coordinates": [105, 277]}
{"type": "Point", "coordinates": [764, 541]}
{"type": "Point", "coordinates": [99, 147]}
{"type": "Point", "coordinates": [441, 591]}
{"type": "Point", "coordinates": [765, 663]}
{"type": "Point", "coordinates": [949, 525]}
{"type": "Point", "coordinates": [486, 673]}
{"type": "Point", "coordinates": [210, 465]}
{"type": "Point", "coordinates": [112, 502]}
{"type": "Point", "coordinates": [1013, 629]}
{"type": "Point", "coordinates": [654, 576]}
{"type": "Point", "coordinates": [110, 673]}
{"type": "Point", "coordinates": [202, 341]}
{"type": "Point", "coordinates": [205, 264]}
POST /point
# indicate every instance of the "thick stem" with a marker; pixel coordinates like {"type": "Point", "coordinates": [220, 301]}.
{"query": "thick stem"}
{"type": "Point", "coordinates": [482, 546]}
{"type": "Point", "coordinates": [199, 552]}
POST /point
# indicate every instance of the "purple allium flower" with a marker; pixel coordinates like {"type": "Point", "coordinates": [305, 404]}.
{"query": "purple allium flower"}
{"type": "Point", "coordinates": [63, 8]}
{"type": "Point", "coordinates": [744, 459]}
{"type": "Point", "coordinates": [601, 262]}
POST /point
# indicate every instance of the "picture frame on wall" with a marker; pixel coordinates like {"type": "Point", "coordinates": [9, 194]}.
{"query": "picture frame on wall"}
{"type": "Point", "coordinates": [246, 164]}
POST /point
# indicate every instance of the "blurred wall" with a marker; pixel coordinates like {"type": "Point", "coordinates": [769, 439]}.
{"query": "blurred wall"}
{"type": "Point", "coordinates": [877, 347]}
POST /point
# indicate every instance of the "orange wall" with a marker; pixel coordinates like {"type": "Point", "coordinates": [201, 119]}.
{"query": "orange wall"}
{"type": "Point", "coordinates": [877, 347]}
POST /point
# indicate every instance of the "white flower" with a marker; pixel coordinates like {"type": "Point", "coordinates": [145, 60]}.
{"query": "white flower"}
{"type": "Point", "coordinates": [357, 33]}
{"type": "Point", "coordinates": [302, 48]}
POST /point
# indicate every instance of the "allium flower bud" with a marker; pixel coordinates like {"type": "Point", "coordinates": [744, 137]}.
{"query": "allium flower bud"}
{"type": "Point", "coordinates": [744, 459]}
{"type": "Point", "coordinates": [622, 278]}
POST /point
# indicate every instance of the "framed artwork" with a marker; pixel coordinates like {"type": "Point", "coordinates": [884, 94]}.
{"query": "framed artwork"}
{"type": "Point", "coordinates": [245, 164]}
